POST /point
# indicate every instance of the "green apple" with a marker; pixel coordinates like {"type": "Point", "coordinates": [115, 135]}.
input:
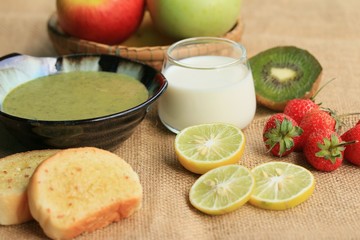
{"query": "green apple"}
{"type": "Point", "coordinates": [193, 18]}
{"type": "Point", "coordinates": [104, 21]}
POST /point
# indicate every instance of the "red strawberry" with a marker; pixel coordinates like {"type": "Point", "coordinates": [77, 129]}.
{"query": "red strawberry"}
{"type": "Point", "coordinates": [281, 134]}
{"type": "Point", "coordinates": [315, 120]}
{"type": "Point", "coordinates": [324, 150]}
{"type": "Point", "coordinates": [352, 151]}
{"type": "Point", "coordinates": [297, 108]}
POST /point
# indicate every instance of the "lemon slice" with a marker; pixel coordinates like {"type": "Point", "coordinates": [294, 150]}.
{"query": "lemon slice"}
{"type": "Point", "coordinates": [281, 185]}
{"type": "Point", "coordinates": [203, 147]}
{"type": "Point", "coordinates": [222, 190]}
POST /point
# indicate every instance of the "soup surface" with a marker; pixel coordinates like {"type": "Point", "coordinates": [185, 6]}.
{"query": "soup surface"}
{"type": "Point", "coordinates": [75, 96]}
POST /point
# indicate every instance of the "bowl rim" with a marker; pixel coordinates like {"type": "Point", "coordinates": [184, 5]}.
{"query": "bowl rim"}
{"type": "Point", "coordinates": [146, 104]}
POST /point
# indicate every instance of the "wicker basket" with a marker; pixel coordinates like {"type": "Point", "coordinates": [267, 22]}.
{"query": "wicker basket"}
{"type": "Point", "coordinates": [151, 55]}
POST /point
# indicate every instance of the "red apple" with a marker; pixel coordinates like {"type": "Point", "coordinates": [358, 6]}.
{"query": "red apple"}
{"type": "Point", "coordinates": [104, 21]}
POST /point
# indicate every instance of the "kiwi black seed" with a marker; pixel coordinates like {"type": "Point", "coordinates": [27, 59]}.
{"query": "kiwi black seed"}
{"type": "Point", "coordinates": [284, 73]}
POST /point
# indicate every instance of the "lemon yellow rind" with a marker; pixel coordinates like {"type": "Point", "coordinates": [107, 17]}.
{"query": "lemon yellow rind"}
{"type": "Point", "coordinates": [286, 203]}
{"type": "Point", "coordinates": [201, 167]}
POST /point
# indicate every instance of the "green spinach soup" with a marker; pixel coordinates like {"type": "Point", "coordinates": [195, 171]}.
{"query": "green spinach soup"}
{"type": "Point", "coordinates": [74, 96]}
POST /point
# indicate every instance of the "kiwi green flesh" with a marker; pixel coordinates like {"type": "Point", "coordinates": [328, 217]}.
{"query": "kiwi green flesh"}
{"type": "Point", "coordinates": [283, 73]}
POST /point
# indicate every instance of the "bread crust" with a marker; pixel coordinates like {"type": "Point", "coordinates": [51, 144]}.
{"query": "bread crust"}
{"type": "Point", "coordinates": [15, 171]}
{"type": "Point", "coordinates": [98, 220]}
{"type": "Point", "coordinates": [14, 209]}
{"type": "Point", "coordinates": [65, 215]}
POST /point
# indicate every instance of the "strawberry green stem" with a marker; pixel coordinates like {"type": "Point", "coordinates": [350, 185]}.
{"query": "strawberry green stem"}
{"type": "Point", "coordinates": [348, 114]}
{"type": "Point", "coordinates": [343, 144]}
{"type": "Point", "coordinates": [323, 86]}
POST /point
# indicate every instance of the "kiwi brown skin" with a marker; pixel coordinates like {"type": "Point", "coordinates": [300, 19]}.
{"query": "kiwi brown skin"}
{"type": "Point", "coordinates": [279, 106]}
{"type": "Point", "coordinates": [305, 85]}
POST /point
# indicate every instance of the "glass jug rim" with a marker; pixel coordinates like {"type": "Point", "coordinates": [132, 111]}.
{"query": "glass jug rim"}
{"type": "Point", "coordinates": [204, 40]}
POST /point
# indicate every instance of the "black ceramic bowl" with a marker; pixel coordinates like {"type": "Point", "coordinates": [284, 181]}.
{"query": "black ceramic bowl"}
{"type": "Point", "coordinates": [104, 132]}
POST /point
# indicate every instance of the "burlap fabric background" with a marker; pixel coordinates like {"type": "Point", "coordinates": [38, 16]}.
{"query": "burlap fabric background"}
{"type": "Point", "coordinates": [327, 28]}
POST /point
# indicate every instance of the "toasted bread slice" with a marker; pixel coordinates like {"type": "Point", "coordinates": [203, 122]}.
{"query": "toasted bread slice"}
{"type": "Point", "coordinates": [82, 189]}
{"type": "Point", "coordinates": [15, 172]}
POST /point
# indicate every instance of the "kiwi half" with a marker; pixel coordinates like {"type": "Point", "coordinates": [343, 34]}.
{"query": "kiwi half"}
{"type": "Point", "coordinates": [284, 73]}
